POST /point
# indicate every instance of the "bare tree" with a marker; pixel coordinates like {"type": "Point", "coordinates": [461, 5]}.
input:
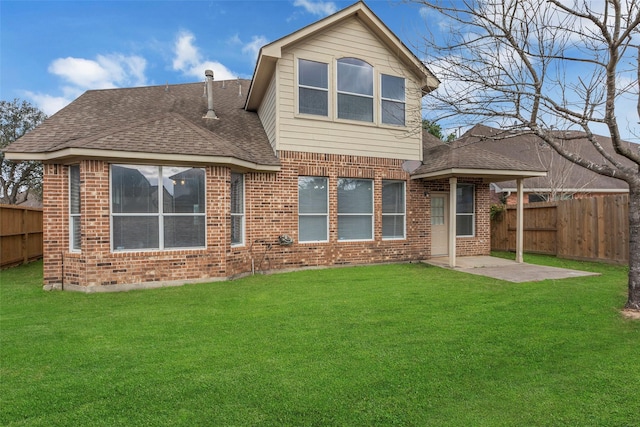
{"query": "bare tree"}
{"type": "Point", "coordinates": [18, 179]}
{"type": "Point", "coordinates": [533, 65]}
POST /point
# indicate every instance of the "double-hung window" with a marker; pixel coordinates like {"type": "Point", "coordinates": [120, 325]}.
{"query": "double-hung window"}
{"type": "Point", "coordinates": [313, 209]}
{"type": "Point", "coordinates": [237, 209]}
{"type": "Point", "coordinates": [465, 210]}
{"type": "Point", "coordinates": [355, 209]}
{"type": "Point", "coordinates": [392, 100]}
{"type": "Point", "coordinates": [313, 88]}
{"type": "Point", "coordinates": [355, 90]}
{"type": "Point", "coordinates": [157, 207]}
{"type": "Point", "coordinates": [74, 208]}
{"type": "Point", "coordinates": [393, 210]}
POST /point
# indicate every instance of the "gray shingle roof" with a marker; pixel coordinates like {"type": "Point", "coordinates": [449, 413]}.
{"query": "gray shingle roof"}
{"type": "Point", "coordinates": [530, 148]}
{"type": "Point", "coordinates": [156, 119]}
{"type": "Point", "coordinates": [442, 158]}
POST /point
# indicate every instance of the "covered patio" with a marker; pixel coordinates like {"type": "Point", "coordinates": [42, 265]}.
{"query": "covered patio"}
{"type": "Point", "coordinates": [449, 162]}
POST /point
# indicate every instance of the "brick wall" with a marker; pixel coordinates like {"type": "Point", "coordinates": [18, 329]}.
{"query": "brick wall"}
{"type": "Point", "coordinates": [271, 209]}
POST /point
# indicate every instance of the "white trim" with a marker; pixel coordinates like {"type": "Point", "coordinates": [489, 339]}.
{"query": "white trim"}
{"type": "Point", "coordinates": [372, 214]}
{"type": "Point", "coordinates": [138, 156]}
{"type": "Point", "coordinates": [159, 214]}
{"type": "Point", "coordinates": [472, 214]}
{"type": "Point", "coordinates": [327, 90]}
{"type": "Point", "coordinates": [403, 101]}
{"type": "Point", "coordinates": [241, 215]}
{"type": "Point", "coordinates": [404, 211]}
{"type": "Point", "coordinates": [490, 173]}
{"type": "Point", "coordinates": [72, 215]}
{"type": "Point", "coordinates": [565, 190]}
{"type": "Point", "coordinates": [326, 214]}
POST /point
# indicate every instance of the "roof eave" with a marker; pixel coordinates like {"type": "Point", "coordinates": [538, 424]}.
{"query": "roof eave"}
{"type": "Point", "coordinates": [488, 175]}
{"type": "Point", "coordinates": [71, 155]}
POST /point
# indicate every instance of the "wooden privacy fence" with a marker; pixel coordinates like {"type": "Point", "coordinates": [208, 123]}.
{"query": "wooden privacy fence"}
{"type": "Point", "coordinates": [20, 235]}
{"type": "Point", "coordinates": [593, 229]}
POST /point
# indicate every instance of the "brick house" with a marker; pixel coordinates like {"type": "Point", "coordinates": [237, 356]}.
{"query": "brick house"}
{"type": "Point", "coordinates": [319, 160]}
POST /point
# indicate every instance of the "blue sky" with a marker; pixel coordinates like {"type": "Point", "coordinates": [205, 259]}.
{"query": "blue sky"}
{"type": "Point", "coordinates": [52, 51]}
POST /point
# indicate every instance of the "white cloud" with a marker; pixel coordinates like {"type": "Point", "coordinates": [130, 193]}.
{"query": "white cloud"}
{"type": "Point", "coordinates": [190, 62]}
{"type": "Point", "coordinates": [47, 103]}
{"type": "Point", "coordinates": [320, 8]}
{"type": "Point", "coordinates": [81, 74]}
{"type": "Point", "coordinates": [253, 47]}
{"type": "Point", "coordinates": [106, 71]}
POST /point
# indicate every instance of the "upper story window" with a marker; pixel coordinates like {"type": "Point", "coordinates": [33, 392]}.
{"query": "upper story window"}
{"type": "Point", "coordinates": [313, 87]}
{"type": "Point", "coordinates": [157, 207]}
{"type": "Point", "coordinates": [355, 90]}
{"type": "Point", "coordinates": [392, 100]}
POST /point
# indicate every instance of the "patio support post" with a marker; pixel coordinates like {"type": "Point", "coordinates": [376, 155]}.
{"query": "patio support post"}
{"type": "Point", "coordinates": [453, 186]}
{"type": "Point", "coordinates": [520, 222]}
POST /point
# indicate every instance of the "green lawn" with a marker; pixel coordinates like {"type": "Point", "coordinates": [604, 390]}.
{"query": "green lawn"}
{"type": "Point", "coordinates": [402, 345]}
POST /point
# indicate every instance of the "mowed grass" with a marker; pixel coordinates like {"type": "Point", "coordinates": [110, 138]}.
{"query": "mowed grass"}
{"type": "Point", "coordinates": [404, 344]}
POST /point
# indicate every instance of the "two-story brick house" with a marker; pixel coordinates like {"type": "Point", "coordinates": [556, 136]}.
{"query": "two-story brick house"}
{"type": "Point", "coordinates": [319, 160]}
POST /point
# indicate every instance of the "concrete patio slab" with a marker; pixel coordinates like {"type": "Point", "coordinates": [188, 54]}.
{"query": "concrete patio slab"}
{"type": "Point", "coordinates": [508, 270]}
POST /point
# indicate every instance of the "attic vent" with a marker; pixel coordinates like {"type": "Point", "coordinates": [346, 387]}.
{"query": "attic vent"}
{"type": "Point", "coordinates": [210, 113]}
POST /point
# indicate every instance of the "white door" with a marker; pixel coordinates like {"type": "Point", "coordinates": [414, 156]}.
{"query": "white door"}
{"type": "Point", "coordinates": [439, 224]}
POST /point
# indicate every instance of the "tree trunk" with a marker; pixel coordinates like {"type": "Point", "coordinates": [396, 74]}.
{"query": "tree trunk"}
{"type": "Point", "coordinates": [634, 247]}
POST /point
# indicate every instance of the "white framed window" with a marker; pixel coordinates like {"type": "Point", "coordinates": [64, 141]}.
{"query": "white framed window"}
{"type": "Point", "coordinates": [355, 90]}
{"type": "Point", "coordinates": [157, 207]}
{"type": "Point", "coordinates": [237, 209]}
{"type": "Point", "coordinates": [313, 209]}
{"type": "Point", "coordinates": [75, 240]}
{"type": "Point", "coordinates": [355, 209]}
{"type": "Point", "coordinates": [313, 87]}
{"type": "Point", "coordinates": [392, 100]}
{"type": "Point", "coordinates": [393, 209]}
{"type": "Point", "coordinates": [465, 210]}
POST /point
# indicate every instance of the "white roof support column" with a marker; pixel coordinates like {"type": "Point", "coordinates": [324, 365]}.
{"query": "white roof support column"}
{"type": "Point", "coordinates": [453, 187]}
{"type": "Point", "coordinates": [520, 222]}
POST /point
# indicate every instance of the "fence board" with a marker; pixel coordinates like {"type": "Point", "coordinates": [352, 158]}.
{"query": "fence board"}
{"type": "Point", "coordinates": [588, 229]}
{"type": "Point", "coordinates": [20, 235]}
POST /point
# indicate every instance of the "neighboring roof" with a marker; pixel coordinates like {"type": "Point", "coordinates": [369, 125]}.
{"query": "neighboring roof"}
{"type": "Point", "coordinates": [154, 123]}
{"type": "Point", "coordinates": [454, 160]}
{"type": "Point", "coordinates": [270, 53]}
{"type": "Point", "coordinates": [562, 173]}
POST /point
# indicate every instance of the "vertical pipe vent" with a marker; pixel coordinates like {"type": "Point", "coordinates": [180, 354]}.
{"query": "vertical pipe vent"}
{"type": "Point", "coordinates": [210, 113]}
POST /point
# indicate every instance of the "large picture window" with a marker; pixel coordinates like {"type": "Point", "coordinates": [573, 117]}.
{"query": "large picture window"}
{"type": "Point", "coordinates": [392, 100]}
{"type": "Point", "coordinates": [313, 209]}
{"type": "Point", "coordinates": [313, 88]}
{"type": "Point", "coordinates": [355, 90]}
{"type": "Point", "coordinates": [75, 242]}
{"type": "Point", "coordinates": [157, 207]}
{"type": "Point", "coordinates": [393, 210]}
{"type": "Point", "coordinates": [237, 209]}
{"type": "Point", "coordinates": [355, 209]}
{"type": "Point", "coordinates": [465, 211]}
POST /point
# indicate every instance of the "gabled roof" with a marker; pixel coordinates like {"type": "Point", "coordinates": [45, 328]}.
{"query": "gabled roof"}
{"type": "Point", "coordinates": [154, 123]}
{"type": "Point", "coordinates": [530, 148]}
{"type": "Point", "coordinates": [270, 53]}
{"type": "Point", "coordinates": [455, 160]}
